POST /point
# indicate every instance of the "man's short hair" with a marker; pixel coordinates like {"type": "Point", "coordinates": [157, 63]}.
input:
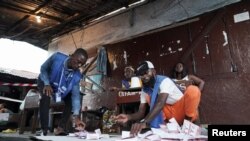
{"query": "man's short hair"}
{"type": "Point", "coordinates": [81, 51]}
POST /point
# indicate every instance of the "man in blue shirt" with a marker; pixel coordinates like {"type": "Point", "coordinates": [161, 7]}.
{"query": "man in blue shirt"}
{"type": "Point", "coordinates": [59, 78]}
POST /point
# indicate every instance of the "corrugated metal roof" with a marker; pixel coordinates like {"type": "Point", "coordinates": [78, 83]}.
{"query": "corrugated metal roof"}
{"type": "Point", "coordinates": [39, 21]}
{"type": "Point", "coordinates": [17, 76]}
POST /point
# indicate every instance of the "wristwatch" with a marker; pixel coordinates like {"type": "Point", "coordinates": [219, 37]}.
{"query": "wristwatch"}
{"type": "Point", "coordinates": [144, 121]}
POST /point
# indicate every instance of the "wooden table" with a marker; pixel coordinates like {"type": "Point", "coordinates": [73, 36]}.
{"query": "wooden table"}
{"type": "Point", "coordinates": [126, 97]}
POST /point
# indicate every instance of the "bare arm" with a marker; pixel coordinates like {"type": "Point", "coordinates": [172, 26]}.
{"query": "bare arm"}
{"type": "Point", "coordinates": [140, 114]}
{"type": "Point", "coordinates": [123, 118]}
{"type": "Point", "coordinates": [197, 81]}
{"type": "Point", "coordinates": [161, 101]}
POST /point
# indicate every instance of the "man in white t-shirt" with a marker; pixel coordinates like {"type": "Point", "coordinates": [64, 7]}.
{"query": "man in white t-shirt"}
{"type": "Point", "coordinates": [165, 99]}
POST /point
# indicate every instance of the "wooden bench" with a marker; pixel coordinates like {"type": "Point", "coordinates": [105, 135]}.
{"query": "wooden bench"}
{"type": "Point", "coordinates": [32, 103]}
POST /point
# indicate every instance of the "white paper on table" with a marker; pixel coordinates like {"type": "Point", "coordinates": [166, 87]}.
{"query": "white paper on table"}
{"type": "Point", "coordinates": [126, 134]}
{"type": "Point", "coordinates": [189, 137]}
{"type": "Point", "coordinates": [72, 135]}
{"type": "Point", "coordinates": [154, 138]}
{"type": "Point", "coordinates": [98, 132]}
{"type": "Point", "coordinates": [194, 130]}
{"type": "Point", "coordinates": [105, 136]}
{"type": "Point", "coordinates": [185, 127]}
{"type": "Point", "coordinates": [130, 139]}
{"type": "Point", "coordinates": [144, 135]}
{"type": "Point", "coordinates": [166, 135]}
{"type": "Point", "coordinates": [172, 120]}
{"type": "Point", "coordinates": [173, 126]}
{"type": "Point", "coordinates": [190, 128]}
{"type": "Point", "coordinates": [4, 116]}
{"type": "Point", "coordinates": [92, 136]}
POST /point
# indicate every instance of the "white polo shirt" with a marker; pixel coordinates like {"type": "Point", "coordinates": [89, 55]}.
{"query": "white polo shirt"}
{"type": "Point", "coordinates": [169, 87]}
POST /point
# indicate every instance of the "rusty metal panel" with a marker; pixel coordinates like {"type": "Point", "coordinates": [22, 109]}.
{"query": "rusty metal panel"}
{"type": "Point", "coordinates": [239, 35]}
{"type": "Point", "coordinates": [219, 49]}
{"type": "Point", "coordinates": [226, 101]}
{"type": "Point", "coordinates": [137, 50]}
{"type": "Point", "coordinates": [145, 48]}
{"type": "Point", "coordinates": [202, 59]}
{"type": "Point", "coordinates": [228, 91]}
{"type": "Point", "coordinates": [213, 56]}
{"type": "Point", "coordinates": [173, 44]}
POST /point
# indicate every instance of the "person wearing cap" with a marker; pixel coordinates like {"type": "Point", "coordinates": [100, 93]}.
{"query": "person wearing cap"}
{"type": "Point", "coordinates": [126, 82]}
{"type": "Point", "coordinates": [165, 99]}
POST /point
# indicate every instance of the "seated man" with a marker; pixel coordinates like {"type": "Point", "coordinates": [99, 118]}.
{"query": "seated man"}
{"type": "Point", "coordinates": [183, 79]}
{"type": "Point", "coordinates": [7, 126]}
{"type": "Point", "coordinates": [165, 99]}
{"type": "Point", "coordinates": [126, 82]}
{"type": "Point", "coordinates": [4, 110]}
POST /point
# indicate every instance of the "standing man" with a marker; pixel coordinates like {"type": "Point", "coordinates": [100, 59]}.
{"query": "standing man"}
{"type": "Point", "coordinates": [59, 78]}
{"type": "Point", "coordinates": [165, 99]}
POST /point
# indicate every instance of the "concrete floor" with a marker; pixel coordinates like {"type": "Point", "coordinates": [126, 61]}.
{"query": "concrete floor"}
{"type": "Point", "coordinates": [26, 137]}
{"type": "Point", "coordinates": [17, 137]}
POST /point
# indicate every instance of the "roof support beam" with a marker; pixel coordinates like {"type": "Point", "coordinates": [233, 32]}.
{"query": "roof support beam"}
{"type": "Point", "coordinates": [15, 25]}
{"type": "Point", "coordinates": [26, 11]}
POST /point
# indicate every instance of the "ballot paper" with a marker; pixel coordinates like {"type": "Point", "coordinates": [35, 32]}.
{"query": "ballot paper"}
{"type": "Point", "coordinates": [144, 135]}
{"type": "Point", "coordinates": [190, 128]}
{"type": "Point", "coordinates": [4, 116]}
{"type": "Point", "coordinates": [92, 136]}
{"type": "Point", "coordinates": [126, 134]}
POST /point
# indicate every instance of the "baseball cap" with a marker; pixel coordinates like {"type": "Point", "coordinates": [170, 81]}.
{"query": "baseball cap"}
{"type": "Point", "coordinates": [143, 68]}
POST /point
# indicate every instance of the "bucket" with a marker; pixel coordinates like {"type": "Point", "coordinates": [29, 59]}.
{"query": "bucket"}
{"type": "Point", "coordinates": [135, 82]}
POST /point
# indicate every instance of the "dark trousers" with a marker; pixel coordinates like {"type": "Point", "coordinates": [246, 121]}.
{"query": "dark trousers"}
{"type": "Point", "coordinates": [45, 106]}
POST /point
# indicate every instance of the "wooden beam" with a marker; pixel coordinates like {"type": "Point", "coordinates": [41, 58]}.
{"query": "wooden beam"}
{"type": "Point", "coordinates": [26, 11]}
{"type": "Point", "coordinates": [16, 24]}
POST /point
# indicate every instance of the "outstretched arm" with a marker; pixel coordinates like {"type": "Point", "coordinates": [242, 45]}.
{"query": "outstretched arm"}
{"type": "Point", "coordinates": [123, 118]}
{"type": "Point", "coordinates": [161, 101]}
{"type": "Point", "coordinates": [197, 81]}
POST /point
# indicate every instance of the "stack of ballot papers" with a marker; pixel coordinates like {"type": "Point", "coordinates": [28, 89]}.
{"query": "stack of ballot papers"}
{"type": "Point", "coordinates": [169, 132]}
